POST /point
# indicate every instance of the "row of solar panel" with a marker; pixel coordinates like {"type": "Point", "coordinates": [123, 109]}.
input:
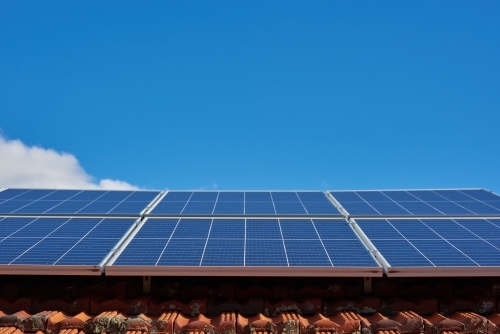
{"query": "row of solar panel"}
{"type": "Point", "coordinates": [471, 202]}
{"type": "Point", "coordinates": [251, 242]}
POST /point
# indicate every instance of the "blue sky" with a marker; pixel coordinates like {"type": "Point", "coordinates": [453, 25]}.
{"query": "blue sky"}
{"type": "Point", "coordinates": [252, 95]}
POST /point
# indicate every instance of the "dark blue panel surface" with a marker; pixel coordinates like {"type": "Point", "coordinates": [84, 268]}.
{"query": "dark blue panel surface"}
{"type": "Point", "coordinates": [11, 193]}
{"type": "Point", "coordinates": [427, 195]}
{"type": "Point", "coordinates": [223, 252]}
{"type": "Point", "coordinates": [306, 253]}
{"type": "Point", "coordinates": [183, 252]}
{"type": "Point", "coordinates": [279, 196]}
{"type": "Point", "coordinates": [192, 228]}
{"type": "Point", "coordinates": [442, 253]}
{"type": "Point", "coordinates": [10, 226]}
{"type": "Point", "coordinates": [419, 208]}
{"type": "Point", "coordinates": [256, 196]}
{"type": "Point", "coordinates": [479, 250]}
{"type": "Point", "coordinates": [312, 196]}
{"type": "Point", "coordinates": [75, 228]}
{"type": "Point", "coordinates": [231, 196]}
{"type": "Point", "coordinates": [199, 208]}
{"type": "Point", "coordinates": [449, 229]}
{"type": "Point", "coordinates": [228, 229]}
{"type": "Point", "coordinates": [68, 207]}
{"type": "Point", "coordinates": [359, 208]}
{"type": "Point", "coordinates": [204, 196]}
{"type": "Point", "coordinates": [400, 253]}
{"type": "Point", "coordinates": [40, 228]}
{"type": "Point", "coordinates": [38, 207]}
{"type": "Point", "coordinates": [80, 254]}
{"type": "Point", "coordinates": [12, 205]}
{"type": "Point", "coordinates": [450, 208]}
{"type": "Point", "coordinates": [142, 196]}
{"type": "Point", "coordinates": [414, 229]}
{"type": "Point", "coordinates": [348, 253]}
{"type": "Point", "coordinates": [47, 251]}
{"type": "Point", "coordinates": [263, 229]}
{"type": "Point", "coordinates": [298, 229]}
{"type": "Point", "coordinates": [289, 208]}
{"type": "Point", "coordinates": [169, 208]}
{"type": "Point", "coordinates": [480, 227]}
{"type": "Point", "coordinates": [99, 207]}
{"type": "Point", "coordinates": [346, 196]}
{"type": "Point", "coordinates": [379, 229]}
{"type": "Point", "coordinates": [253, 208]}
{"type": "Point", "coordinates": [389, 208]}
{"type": "Point", "coordinates": [229, 208]}
{"type": "Point", "coordinates": [263, 253]}
{"type": "Point", "coordinates": [178, 196]}
{"type": "Point", "coordinates": [34, 194]}
{"type": "Point", "coordinates": [334, 229]}
{"type": "Point", "coordinates": [115, 196]}
{"type": "Point", "coordinates": [453, 195]}
{"type": "Point", "coordinates": [400, 196]}
{"type": "Point", "coordinates": [480, 207]}
{"type": "Point", "coordinates": [12, 248]}
{"type": "Point", "coordinates": [373, 196]}
{"type": "Point", "coordinates": [481, 195]}
{"type": "Point", "coordinates": [61, 195]}
{"type": "Point", "coordinates": [320, 208]}
{"type": "Point", "coordinates": [129, 207]}
{"type": "Point", "coordinates": [88, 195]}
{"type": "Point", "coordinates": [157, 228]}
{"type": "Point", "coordinates": [142, 252]}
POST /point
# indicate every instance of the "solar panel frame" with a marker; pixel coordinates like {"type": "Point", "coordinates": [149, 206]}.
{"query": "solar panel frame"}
{"type": "Point", "coordinates": [55, 268]}
{"type": "Point", "coordinates": [438, 205]}
{"type": "Point", "coordinates": [258, 203]}
{"type": "Point", "coordinates": [115, 267]}
{"type": "Point", "coordinates": [431, 269]}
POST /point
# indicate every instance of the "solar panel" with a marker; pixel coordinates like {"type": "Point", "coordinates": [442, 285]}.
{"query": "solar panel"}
{"type": "Point", "coordinates": [435, 247]}
{"type": "Point", "coordinates": [310, 247]}
{"type": "Point", "coordinates": [43, 245]}
{"type": "Point", "coordinates": [74, 202]}
{"type": "Point", "coordinates": [239, 203]}
{"type": "Point", "coordinates": [418, 203]}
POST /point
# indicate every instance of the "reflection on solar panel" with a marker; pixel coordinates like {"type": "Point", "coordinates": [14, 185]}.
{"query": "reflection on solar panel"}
{"type": "Point", "coordinates": [233, 203]}
{"type": "Point", "coordinates": [39, 245]}
{"type": "Point", "coordinates": [274, 246]}
{"type": "Point", "coordinates": [420, 203]}
{"type": "Point", "coordinates": [436, 246]}
{"type": "Point", "coordinates": [75, 202]}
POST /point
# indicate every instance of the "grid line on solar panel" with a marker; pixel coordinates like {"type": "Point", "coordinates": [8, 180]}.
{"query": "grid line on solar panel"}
{"type": "Point", "coordinates": [232, 242]}
{"type": "Point", "coordinates": [442, 242]}
{"type": "Point", "coordinates": [60, 202]}
{"type": "Point", "coordinates": [417, 203]}
{"type": "Point", "coordinates": [203, 203]}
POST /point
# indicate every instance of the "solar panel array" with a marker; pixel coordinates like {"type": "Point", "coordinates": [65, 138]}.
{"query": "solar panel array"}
{"type": "Point", "coordinates": [207, 203]}
{"type": "Point", "coordinates": [420, 203]}
{"type": "Point", "coordinates": [275, 233]}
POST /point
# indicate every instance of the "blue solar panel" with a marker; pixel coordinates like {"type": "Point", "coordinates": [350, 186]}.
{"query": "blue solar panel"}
{"type": "Point", "coordinates": [205, 203]}
{"type": "Point", "coordinates": [58, 241]}
{"type": "Point", "coordinates": [422, 203]}
{"type": "Point", "coordinates": [435, 242]}
{"type": "Point", "coordinates": [74, 202]}
{"type": "Point", "coordinates": [245, 242]}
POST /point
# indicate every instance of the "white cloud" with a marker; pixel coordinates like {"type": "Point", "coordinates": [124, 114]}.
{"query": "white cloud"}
{"type": "Point", "coordinates": [37, 167]}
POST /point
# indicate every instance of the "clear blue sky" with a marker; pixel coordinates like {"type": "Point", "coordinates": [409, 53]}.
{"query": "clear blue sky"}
{"type": "Point", "coordinates": [258, 94]}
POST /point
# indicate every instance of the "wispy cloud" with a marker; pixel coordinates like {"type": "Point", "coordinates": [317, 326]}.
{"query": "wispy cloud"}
{"type": "Point", "coordinates": [37, 167]}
